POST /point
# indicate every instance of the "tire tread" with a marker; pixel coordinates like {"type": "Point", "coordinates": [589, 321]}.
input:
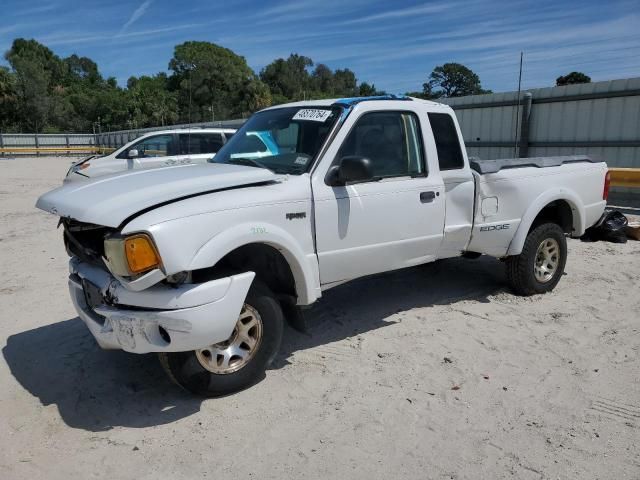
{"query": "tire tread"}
{"type": "Point", "coordinates": [519, 276]}
{"type": "Point", "coordinates": [233, 382]}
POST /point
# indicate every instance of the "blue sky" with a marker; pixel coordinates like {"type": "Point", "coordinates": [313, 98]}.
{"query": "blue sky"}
{"type": "Point", "coordinates": [392, 44]}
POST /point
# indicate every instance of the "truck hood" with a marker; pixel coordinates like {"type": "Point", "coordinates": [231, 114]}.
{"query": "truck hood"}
{"type": "Point", "coordinates": [111, 199]}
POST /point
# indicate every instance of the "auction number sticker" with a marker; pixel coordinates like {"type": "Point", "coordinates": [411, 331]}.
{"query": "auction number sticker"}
{"type": "Point", "coordinates": [313, 114]}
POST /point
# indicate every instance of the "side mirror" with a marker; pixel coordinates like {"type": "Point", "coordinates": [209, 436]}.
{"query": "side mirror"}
{"type": "Point", "coordinates": [133, 153]}
{"type": "Point", "coordinates": [351, 169]}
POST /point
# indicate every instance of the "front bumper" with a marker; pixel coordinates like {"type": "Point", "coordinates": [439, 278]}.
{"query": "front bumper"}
{"type": "Point", "coordinates": [160, 318]}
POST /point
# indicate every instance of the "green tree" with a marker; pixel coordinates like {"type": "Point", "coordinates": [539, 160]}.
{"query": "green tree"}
{"type": "Point", "coordinates": [8, 99]}
{"type": "Point", "coordinates": [367, 90]}
{"type": "Point", "coordinates": [82, 69]}
{"type": "Point", "coordinates": [208, 79]}
{"type": "Point", "coordinates": [322, 80]}
{"type": "Point", "coordinates": [95, 99]}
{"type": "Point", "coordinates": [572, 78]}
{"type": "Point", "coordinates": [292, 80]}
{"type": "Point", "coordinates": [42, 92]}
{"type": "Point", "coordinates": [345, 83]}
{"type": "Point", "coordinates": [255, 95]}
{"type": "Point", "coordinates": [112, 109]}
{"type": "Point", "coordinates": [452, 80]}
{"type": "Point", "coordinates": [150, 101]}
{"type": "Point", "coordinates": [33, 51]}
{"type": "Point", "coordinates": [54, 94]}
{"type": "Point", "coordinates": [37, 70]}
{"type": "Point", "coordinates": [288, 79]}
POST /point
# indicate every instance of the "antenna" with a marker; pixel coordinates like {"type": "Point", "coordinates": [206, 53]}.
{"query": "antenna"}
{"type": "Point", "coordinates": [515, 139]}
{"type": "Point", "coordinates": [191, 67]}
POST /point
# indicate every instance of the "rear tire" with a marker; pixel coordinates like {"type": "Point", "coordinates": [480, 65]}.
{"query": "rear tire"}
{"type": "Point", "coordinates": [540, 266]}
{"type": "Point", "coordinates": [239, 362]}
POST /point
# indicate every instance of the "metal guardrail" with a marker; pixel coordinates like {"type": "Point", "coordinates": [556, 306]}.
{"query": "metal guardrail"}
{"type": "Point", "coordinates": [52, 150]}
{"type": "Point", "coordinates": [47, 144]}
{"type": "Point", "coordinates": [87, 143]}
{"type": "Point", "coordinates": [625, 177]}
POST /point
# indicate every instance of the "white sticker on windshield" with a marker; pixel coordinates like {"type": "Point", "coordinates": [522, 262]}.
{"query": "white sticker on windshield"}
{"type": "Point", "coordinates": [301, 160]}
{"type": "Point", "coordinates": [312, 114]}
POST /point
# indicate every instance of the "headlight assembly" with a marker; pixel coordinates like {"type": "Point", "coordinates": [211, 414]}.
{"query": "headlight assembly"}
{"type": "Point", "coordinates": [132, 255]}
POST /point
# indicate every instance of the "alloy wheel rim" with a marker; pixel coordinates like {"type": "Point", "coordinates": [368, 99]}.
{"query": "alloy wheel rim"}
{"type": "Point", "coordinates": [547, 259]}
{"type": "Point", "coordinates": [237, 351]}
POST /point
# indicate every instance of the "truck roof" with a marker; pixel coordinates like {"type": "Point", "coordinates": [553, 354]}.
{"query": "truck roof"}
{"type": "Point", "coordinates": [349, 102]}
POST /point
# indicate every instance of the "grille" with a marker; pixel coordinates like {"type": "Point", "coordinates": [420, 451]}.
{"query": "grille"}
{"type": "Point", "coordinates": [86, 240]}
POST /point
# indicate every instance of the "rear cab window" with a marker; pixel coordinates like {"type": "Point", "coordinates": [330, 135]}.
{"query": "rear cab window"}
{"type": "Point", "coordinates": [447, 141]}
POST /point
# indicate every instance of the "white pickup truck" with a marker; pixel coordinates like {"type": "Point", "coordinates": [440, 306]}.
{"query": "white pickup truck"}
{"type": "Point", "coordinates": [199, 262]}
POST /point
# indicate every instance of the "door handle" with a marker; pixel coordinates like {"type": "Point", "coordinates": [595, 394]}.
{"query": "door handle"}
{"type": "Point", "coordinates": [427, 197]}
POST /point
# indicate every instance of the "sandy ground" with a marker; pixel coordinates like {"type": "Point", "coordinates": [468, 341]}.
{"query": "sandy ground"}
{"type": "Point", "coordinates": [432, 372]}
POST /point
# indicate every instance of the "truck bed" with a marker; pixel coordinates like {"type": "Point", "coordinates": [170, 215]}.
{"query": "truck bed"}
{"type": "Point", "coordinates": [493, 166]}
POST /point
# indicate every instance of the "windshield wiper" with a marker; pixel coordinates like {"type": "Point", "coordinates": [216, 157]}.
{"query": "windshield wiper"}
{"type": "Point", "coordinates": [249, 162]}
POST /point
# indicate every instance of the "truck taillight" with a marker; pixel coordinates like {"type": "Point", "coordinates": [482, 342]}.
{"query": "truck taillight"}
{"type": "Point", "coordinates": [607, 183]}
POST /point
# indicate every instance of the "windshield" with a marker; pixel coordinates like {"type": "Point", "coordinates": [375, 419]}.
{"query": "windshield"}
{"type": "Point", "coordinates": [284, 140]}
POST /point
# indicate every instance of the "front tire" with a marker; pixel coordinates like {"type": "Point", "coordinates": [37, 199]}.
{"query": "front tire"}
{"type": "Point", "coordinates": [540, 266]}
{"type": "Point", "coordinates": [241, 360]}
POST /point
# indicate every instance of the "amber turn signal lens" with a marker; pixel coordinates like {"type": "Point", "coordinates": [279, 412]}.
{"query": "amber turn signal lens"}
{"type": "Point", "coordinates": [141, 254]}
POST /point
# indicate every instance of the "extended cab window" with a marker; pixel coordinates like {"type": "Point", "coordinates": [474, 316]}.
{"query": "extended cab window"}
{"type": "Point", "coordinates": [158, 146]}
{"type": "Point", "coordinates": [197, 143]}
{"type": "Point", "coordinates": [447, 141]}
{"type": "Point", "coordinates": [390, 140]}
{"type": "Point", "coordinates": [287, 138]}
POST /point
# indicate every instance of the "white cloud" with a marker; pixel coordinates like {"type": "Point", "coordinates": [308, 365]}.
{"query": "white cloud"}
{"type": "Point", "coordinates": [306, 10]}
{"type": "Point", "coordinates": [407, 12]}
{"type": "Point", "coordinates": [80, 37]}
{"type": "Point", "coordinates": [37, 9]}
{"type": "Point", "coordinates": [137, 13]}
{"type": "Point", "coordinates": [10, 28]}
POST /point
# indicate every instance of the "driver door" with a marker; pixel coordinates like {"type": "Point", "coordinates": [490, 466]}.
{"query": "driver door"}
{"type": "Point", "coordinates": [393, 221]}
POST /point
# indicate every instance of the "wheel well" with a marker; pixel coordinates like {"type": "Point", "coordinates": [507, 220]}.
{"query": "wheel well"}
{"type": "Point", "coordinates": [558, 212]}
{"type": "Point", "coordinates": [267, 262]}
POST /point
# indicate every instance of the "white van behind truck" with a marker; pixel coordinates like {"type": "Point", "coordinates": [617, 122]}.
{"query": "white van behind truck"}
{"type": "Point", "coordinates": [156, 149]}
{"type": "Point", "coordinates": [202, 263]}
